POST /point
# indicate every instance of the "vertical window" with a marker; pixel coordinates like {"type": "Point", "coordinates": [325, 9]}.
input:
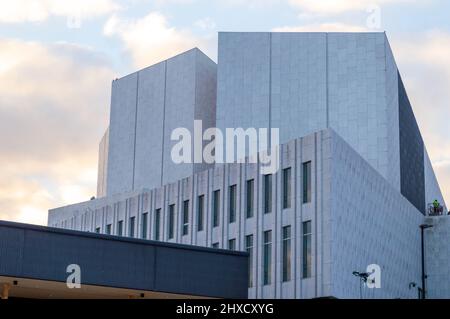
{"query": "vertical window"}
{"type": "Point", "coordinates": [171, 227]}
{"type": "Point", "coordinates": [287, 188]}
{"type": "Point", "coordinates": [267, 193]}
{"type": "Point", "coordinates": [307, 182]}
{"type": "Point", "coordinates": [249, 198]}
{"type": "Point", "coordinates": [200, 212]}
{"type": "Point", "coordinates": [287, 253]}
{"type": "Point", "coordinates": [232, 244]}
{"type": "Point", "coordinates": [97, 230]}
{"type": "Point", "coordinates": [120, 228]}
{"type": "Point", "coordinates": [232, 204]}
{"type": "Point", "coordinates": [249, 249]}
{"type": "Point", "coordinates": [267, 257]}
{"type": "Point", "coordinates": [108, 229]}
{"type": "Point", "coordinates": [215, 245]}
{"type": "Point", "coordinates": [307, 242]}
{"type": "Point", "coordinates": [131, 227]}
{"type": "Point", "coordinates": [185, 217]}
{"type": "Point", "coordinates": [216, 207]}
{"type": "Point", "coordinates": [144, 225]}
{"type": "Point", "coordinates": [157, 224]}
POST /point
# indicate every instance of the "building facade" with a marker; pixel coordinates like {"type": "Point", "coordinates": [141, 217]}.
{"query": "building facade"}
{"type": "Point", "coordinates": [146, 106]}
{"type": "Point", "coordinates": [353, 185]}
{"type": "Point", "coordinates": [305, 82]}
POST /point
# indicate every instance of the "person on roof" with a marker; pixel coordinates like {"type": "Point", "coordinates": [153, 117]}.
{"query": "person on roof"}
{"type": "Point", "coordinates": [436, 204]}
{"type": "Point", "coordinates": [436, 207]}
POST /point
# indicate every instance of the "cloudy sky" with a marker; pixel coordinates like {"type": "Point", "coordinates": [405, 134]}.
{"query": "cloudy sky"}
{"type": "Point", "coordinates": [58, 57]}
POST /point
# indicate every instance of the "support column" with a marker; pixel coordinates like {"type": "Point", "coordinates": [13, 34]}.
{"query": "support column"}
{"type": "Point", "coordinates": [5, 290]}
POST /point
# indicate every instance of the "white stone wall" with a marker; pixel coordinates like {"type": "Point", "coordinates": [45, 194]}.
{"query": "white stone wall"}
{"type": "Point", "coordinates": [371, 223]}
{"type": "Point", "coordinates": [102, 164]}
{"type": "Point", "coordinates": [146, 107]}
{"type": "Point", "coordinates": [357, 217]}
{"type": "Point", "coordinates": [304, 82]}
{"type": "Point", "coordinates": [392, 166]}
{"type": "Point", "coordinates": [150, 127]}
{"type": "Point", "coordinates": [99, 213]}
{"type": "Point", "coordinates": [121, 135]}
{"type": "Point", "coordinates": [437, 257]}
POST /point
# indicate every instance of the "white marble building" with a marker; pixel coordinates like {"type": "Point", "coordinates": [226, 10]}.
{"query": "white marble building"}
{"type": "Point", "coordinates": [353, 186]}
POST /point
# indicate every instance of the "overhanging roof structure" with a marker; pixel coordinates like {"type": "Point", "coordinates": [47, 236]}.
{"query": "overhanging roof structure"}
{"type": "Point", "coordinates": [34, 261]}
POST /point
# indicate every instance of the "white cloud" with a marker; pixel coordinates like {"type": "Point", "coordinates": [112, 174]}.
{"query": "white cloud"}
{"type": "Point", "coordinates": [251, 3]}
{"type": "Point", "coordinates": [53, 108]}
{"type": "Point", "coordinates": [40, 10]}
{"type": "Point", "coordinates": [205, 24]}
{"type": "Point", "coordinates": [150, 40]}
{"type": "Point", "coordinates": [327, 7]}
{"type": "Point", "coordinates": [324, 27]}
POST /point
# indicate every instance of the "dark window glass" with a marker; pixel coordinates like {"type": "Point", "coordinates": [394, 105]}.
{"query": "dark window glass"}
{"type": "Point", "coordinates": [249, 198]}
{"type": "Point", "coordinates": [267, 193]}
{"type": "Point", "coordinates": [144, 225]}
{"type": "Point", "coordinates": [232, 244]}
{"type": "Point", "coordinates": [108, 229]}
{"type": "Point", "coordinates": [287, 253]}
{"type": "Point", "coordinates": [307, 243]}
{"type": "Point", "coordinates": [157, 224]}
{"type": "Point", "coordinates": [216, 207]}
{"type": "Point", "coordinates": [249, 249]}
{"type": "Point", "coordinates": [267, 257]}
{"type": "Point", "coordinates": [215, 245]}
{"type": "Point", "coordinates": [185, 217]}
{"type": "Point", "coordinates": [171, 224]}
{"type": "Point", "coordinates": [200, 212]}
{"type": "Point", "coordinates": [306, 182]}
{"type": "Point", "coordinates": [287, 188]}
{"type": "Point", "coordinates": [120, 228]}
{"type": "Point", "coordinates": [232, 204]}
{"type": "Point", "coordinates": [131, 227]}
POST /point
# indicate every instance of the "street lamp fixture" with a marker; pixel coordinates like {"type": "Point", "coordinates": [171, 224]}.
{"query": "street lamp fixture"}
{"type": "Point", "coordinates": [424, 276]}
{"type": "Point", "coordinates": [363, 276]}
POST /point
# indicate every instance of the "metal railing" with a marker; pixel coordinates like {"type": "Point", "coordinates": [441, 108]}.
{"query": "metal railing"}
{"type": "Point", "coordinates": [434, 210]}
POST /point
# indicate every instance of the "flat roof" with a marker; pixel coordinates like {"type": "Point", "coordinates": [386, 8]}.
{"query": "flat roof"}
{"type": "Point", "coordinates": [44, 253]}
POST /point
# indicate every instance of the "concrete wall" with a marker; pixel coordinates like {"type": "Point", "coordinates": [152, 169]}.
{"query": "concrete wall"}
{"type": "Point", "coordinates": [304, 82]}
{"type": "Point", "coordinates": [371, 223]}
{"type": "Point", "coordinates": [437, 257]}
{"type": "Point", "coordinates": [412, 150]}
{"type": "Point", "coordinates": [357, 217]}
{"type": "Point", "coordinates": [104, 211]}
{"type": "Point", "coordinates": [146, 107]}
{"type": "Point", "coordinates": [121, 135]}
{"type": "Point", "coordinates": [103, 150]}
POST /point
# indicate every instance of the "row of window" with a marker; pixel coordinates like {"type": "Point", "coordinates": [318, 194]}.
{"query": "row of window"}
{"type": "Point", "coordinates": [286, 253]}
{"type": "Point", "coordinates": [267, 188]}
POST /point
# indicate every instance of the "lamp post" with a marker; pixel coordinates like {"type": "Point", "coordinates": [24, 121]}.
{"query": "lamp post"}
{"type": "Point", "coordinates": [422, 228]}
{"type": "Point", "coordinates": [363, 276]}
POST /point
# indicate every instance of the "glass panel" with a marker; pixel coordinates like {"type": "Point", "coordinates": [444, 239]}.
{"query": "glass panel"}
{"type": "Point", "coordinates": [286, 253]}
{"type": "Point", "coordinates": [232, 204]}
{"type": "Point", "coordinates": [200, 212]}
{"type": "Point", "coordinates": [287, 188]}
{"type": "Point", "coordinates": [250, 194]}
{"type": "Point", "coordinates": [267, 273]}
{"type": "Point", "coordinates": [307, 182]}
{"type": "Point", "coordinates": [307, 243]}
{"type": "Point", "coordinates": [267, 193]}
